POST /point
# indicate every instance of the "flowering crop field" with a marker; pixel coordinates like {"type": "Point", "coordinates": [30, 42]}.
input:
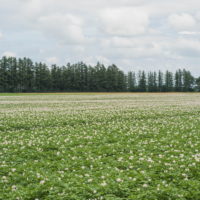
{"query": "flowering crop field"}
{"type": "Point", "coordinates": [100, 146]}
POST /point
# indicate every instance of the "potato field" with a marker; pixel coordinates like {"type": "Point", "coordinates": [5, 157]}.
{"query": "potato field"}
{"type": "Point", "coordinates": [100, 146]}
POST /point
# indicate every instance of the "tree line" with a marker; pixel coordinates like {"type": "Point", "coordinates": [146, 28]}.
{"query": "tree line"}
{"type": "Point", "coordinates": [23, 75]}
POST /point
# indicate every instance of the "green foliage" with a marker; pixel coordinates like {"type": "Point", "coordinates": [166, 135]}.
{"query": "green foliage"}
{"type": "Point", "coordinates": [100, 146]}
{"type": "Point", "coordinates": [22, 75]}
{"type": "Point", "coordinates": [198, 84]}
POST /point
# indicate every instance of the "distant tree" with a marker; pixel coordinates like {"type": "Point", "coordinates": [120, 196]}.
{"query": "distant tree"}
{"type": "Point", "coordinates": [188, 81]}
{"type": "Point", "coordinates": [100, 77]}
{"type": "Point", "coordinates": [112, 75]}
{"type": "Point", "coordinates": [131, 81]}
{"type": "Point", "coordinates": [160, 81]}
{"type": "Point", "coordinates": [151, 86]}
{"type": "Point", "coordinates": [42, 78]}
{"type": "Point", "coordinates": [197, 82]}
{"type": "Point", "coordinates": [12, 71]}
{"type": "Point", "coordinates": [29, 75]}
{"type": "Point", "coordinates": [168, 82]}
{"type": "Point", "coordinates": [121, 81]}
{"type": "Point", "coordinates": [22, 75]}
{"type": "Point", "coordinates": [4, 75]}
{"type": "Point", "coordinates": [178, 81]}
{"type": "Point", "coordinates": [142, 82]}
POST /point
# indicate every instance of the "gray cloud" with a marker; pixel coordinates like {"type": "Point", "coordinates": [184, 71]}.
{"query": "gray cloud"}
{"type": "Point", "coordinates": [1, 35]}
{"type": "Point", "coordinates": [125, 32]}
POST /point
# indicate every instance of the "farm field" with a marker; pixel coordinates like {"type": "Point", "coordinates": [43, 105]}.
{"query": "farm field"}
{"type": "Point", "coordinates": [100, 146]}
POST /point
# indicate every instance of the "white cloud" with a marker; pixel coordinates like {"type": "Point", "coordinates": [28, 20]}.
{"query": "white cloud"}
{"type": "Point", "coordinates": [66, 28]}
{"type": "Point", "coordinates": [187, 47]}
{"type": "Point", "coordinates": [52, 60]}
{"type": "Point", "coordinates": [114, 31]}
{"type": "Point", "coordinates": [92, 60]}
{"type": "Point", "coordinates": [189, 33]}
{"type": "Point", "coordinates": [1, 35]}
{"type": "Point", "coordinates": [8, 54]}
{"type": "Point", "coordinates": [124, 21]}
{"type": "Point", "coordinates": [133, 47]}
{"type": "Point", "coordinates": [78, 49]}
{"type": "Point", "coordinates": [32, 8]}
{"type": "Point", "coordinates": [182, 21]}
{"type": "Point", "coordinates": [151, 47]}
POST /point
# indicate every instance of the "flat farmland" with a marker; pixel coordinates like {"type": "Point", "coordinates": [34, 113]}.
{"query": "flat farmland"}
{"type": "Point", "coordinates": [112, 146]}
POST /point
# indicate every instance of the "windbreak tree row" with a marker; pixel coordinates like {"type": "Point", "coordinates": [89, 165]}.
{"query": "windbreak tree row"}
{"type": "Point", "coordinates": [23, 75]}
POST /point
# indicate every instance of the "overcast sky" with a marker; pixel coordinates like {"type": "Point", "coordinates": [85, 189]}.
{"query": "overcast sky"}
{"type": "Point", "coordinates": [133, 34]}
